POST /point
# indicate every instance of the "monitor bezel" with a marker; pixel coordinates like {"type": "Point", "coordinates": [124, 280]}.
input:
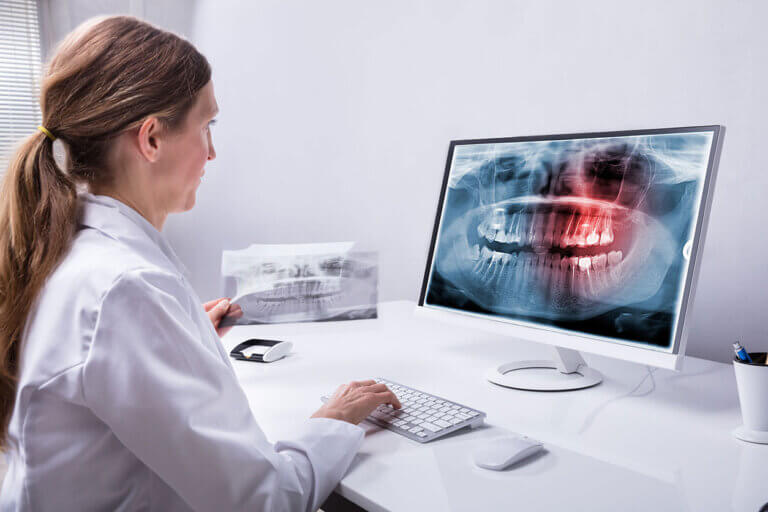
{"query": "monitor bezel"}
{"type": "Point", "coordinates": [583, 341]}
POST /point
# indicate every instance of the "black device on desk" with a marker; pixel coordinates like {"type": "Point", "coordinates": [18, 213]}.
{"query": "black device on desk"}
{"type": "Point", "coordinates": [273, 350]}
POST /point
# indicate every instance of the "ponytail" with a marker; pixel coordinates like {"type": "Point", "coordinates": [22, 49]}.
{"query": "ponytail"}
{"type": "Point", "coordinates": [37, 215]}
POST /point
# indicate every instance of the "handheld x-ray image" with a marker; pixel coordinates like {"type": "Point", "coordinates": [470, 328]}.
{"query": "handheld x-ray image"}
{"type": "Point", "coordinates": [589, 234]}
{"type": "Point", "coordinates": [300, 283]}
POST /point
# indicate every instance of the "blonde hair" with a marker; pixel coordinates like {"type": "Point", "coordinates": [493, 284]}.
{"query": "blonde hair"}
{"type": "Point", "coordinates": [106, 77]}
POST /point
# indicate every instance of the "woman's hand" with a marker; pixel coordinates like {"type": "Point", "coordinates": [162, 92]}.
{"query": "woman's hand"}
{"type": "Point", "coordinates": [218, 309]}
{"type": "Point", "coordinates": [353, 402]}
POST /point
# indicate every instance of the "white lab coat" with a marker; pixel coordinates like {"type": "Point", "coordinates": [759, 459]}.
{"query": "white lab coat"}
{"type": "Point", "coordinates": [127, 400]}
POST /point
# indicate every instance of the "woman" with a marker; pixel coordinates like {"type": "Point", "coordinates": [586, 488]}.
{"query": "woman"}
{"type": "Point", "coordinates": [115, 392]}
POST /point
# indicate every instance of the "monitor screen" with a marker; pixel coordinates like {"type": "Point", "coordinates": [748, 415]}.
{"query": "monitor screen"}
{"type": "Point", "coordinates": [587, 234]}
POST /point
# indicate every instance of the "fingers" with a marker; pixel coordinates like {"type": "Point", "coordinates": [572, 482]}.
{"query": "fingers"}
{"type": "Point", "coordinates": [376, 388]}
{"type": "Point", "coordinates": [379, 388]}
{"type": "Point", "coordinates": [210, 304]}
{"type": "Point", "coordinates": [213, 303]}
{"type": "Point", "coordinates": [361, 383]}
{"type": "Point", "coordinates": [219, 311]}
{"type": "Point", "coordinates": [371, 390]}
{"type": "Point", "coordinates": [387, 397]}
{"type": "Point", "coordinates": [382, 394]}
{"type": "Point", "coordinates": [394, 400]}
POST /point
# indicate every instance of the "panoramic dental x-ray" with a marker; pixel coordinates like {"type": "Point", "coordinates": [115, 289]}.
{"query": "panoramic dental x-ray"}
{"type": "Point", "coordinates": [587, 235]}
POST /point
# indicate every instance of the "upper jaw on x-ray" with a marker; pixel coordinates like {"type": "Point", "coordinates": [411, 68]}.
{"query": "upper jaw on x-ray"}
{"type": "Point", "coordinates": [567, 230]}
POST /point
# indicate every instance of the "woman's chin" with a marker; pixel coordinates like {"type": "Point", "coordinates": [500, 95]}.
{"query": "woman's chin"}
{"type": "Point", "coordinates": [190, 201]}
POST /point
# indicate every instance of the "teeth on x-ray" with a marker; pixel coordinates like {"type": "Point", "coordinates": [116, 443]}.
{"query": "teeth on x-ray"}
{"type": "Point", "coordinates": [543, 231]}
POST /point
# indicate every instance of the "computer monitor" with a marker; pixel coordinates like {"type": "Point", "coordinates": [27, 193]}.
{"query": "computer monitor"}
{"type": "Point", "coordinates": [586, 242]}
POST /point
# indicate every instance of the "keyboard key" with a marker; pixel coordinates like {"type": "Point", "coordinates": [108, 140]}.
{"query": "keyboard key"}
{"type": "Point", "coordinates": [431, 427]}
{"type": "Point", "coordinates": [441, 423]}
{"type": "Point", "coordinates": [463, 416]}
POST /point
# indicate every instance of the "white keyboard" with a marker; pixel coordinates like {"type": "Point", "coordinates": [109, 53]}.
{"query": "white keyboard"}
{"type": "Point", "coordinates": [423, 417]}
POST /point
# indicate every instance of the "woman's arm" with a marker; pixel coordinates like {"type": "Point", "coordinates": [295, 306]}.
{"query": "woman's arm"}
{"type": "Point", "coordinates": [178, 407]}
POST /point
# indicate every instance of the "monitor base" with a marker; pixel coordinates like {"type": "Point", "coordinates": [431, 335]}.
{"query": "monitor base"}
{"type": "Point", "coordinates": [752, 436]}
{"type": "Point", "coordinates": [568, 371]}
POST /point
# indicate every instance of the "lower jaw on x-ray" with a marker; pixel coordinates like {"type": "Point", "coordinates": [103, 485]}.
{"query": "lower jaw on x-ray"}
{"type": "Point", "coordinates": [584, 235]}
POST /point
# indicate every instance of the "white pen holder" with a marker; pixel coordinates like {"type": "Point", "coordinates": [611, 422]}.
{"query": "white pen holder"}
{"type": "Point", "coordinates": [752, 383]}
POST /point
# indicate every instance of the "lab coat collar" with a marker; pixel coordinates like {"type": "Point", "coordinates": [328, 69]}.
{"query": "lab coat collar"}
{"type": "Point", "coordinates": [120, 222]}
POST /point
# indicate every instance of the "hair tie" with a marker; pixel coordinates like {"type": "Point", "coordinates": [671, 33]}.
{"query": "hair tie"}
{"type": "Point", "coordinates": [46, 132]}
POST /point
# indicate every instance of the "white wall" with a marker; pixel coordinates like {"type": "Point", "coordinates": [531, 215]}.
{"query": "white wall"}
{"type": "Point", "coordinates": [59, 17]}
{"type": "Point", "coordinates": [336, 117]}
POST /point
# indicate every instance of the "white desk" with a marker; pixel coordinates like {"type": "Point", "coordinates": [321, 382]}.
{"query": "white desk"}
{"type": "Point", "coordinates": [668, 448]}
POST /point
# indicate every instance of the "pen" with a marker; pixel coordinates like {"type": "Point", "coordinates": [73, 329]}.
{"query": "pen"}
{"type": "Point", "coordinates": [741, 353]}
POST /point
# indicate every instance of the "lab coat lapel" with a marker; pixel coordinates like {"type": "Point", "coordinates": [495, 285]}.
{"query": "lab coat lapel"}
{"type": "Point", "coordinates": [121, 222]}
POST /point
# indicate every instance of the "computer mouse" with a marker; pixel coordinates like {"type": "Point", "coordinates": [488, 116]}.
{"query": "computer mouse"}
{"type": "Point", "coordinates": [500, 453]}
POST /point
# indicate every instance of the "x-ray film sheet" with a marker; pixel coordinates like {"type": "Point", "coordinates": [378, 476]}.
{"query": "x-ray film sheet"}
{"type": "Point", "coordinates": [300, 283]}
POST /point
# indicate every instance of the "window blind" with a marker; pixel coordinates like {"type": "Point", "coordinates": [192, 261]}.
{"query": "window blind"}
{"type": "Point", "coordinates": [19, 74]}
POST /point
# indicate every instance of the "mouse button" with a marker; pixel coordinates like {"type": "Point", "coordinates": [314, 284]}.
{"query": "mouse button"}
{"type": "Point", "coordinates": [491, 454]}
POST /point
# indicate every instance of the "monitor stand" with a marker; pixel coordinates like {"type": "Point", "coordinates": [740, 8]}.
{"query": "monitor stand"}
{"type": "Point", "coordinates": [567, 371]}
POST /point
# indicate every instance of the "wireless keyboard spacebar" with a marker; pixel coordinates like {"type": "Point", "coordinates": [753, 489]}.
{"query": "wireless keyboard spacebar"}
{"type": "Point", "coordinates": [423, 417]}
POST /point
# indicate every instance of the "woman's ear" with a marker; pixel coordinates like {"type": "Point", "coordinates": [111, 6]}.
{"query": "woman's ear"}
{"type": "Point", "coordinates": [148, 139]}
